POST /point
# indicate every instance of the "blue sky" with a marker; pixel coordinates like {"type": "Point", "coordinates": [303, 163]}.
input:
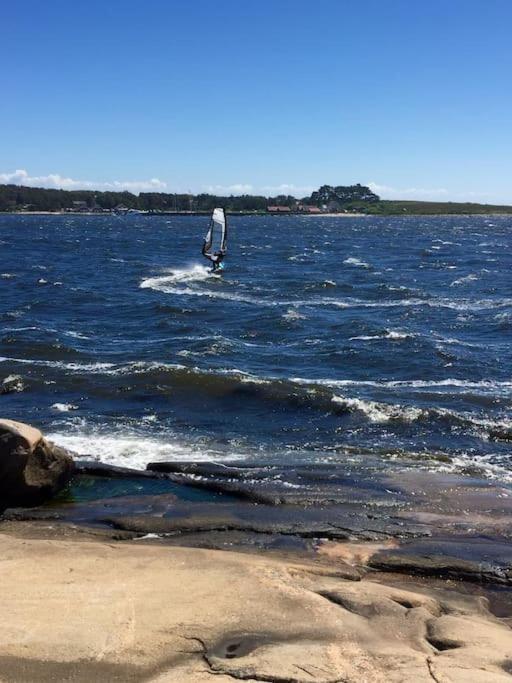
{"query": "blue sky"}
{"type": "Point", "coordinates": [267, 96]}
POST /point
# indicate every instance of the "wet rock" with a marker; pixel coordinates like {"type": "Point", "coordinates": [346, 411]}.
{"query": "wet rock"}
{"type": "Point", "coordinates": [30, 515]}
{"type": "Point", "coordinates": [476, 559]}
{"type": "Point", "coordinates": [243, 541]}
{"type": "Point", "coordinates": [235, 470]}
{"type": "Point", "coordinates": [272, 484]}
{"type": "Point", "coordinates": [145, 524]}
{"type": "Point", "coordinates": [100, 469]}
{"type": "Point", "coordinates": [265, 494]}
{"type": "Point", "coordinates": [12, 384]}
{"type": "Point", "coordinates": [32, 469]}
{"type": "Point", "coordinates": [213, 519]}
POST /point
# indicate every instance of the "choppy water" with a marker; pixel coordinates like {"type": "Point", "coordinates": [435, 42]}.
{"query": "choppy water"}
{"type": "Point", "coordinates": [376, 342]}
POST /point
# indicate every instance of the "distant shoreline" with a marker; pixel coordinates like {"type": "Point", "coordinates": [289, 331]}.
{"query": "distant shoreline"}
{"type": "Point", "coordinates": [331, 201]}
{"type": "Point", "coordinates": [245, 214]}
{"type": "Point", "coordinates": [181, 213]}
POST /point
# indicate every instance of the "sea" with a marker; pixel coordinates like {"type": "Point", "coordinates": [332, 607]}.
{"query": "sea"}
{"type": "Point", "coordinates": [375, 343]}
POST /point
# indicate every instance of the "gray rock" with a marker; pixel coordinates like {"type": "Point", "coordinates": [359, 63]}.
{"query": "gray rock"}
{"type": "Point", "coordinates": [100, 469]}
{"type": "Point", "coordinates": [32, 469]}
{"type": "Point", "coordinates": [12, 384]}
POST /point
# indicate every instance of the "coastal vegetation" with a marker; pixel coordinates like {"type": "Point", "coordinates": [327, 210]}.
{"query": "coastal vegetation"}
{"type": "Point", "coordinates": [418, 208]}
{"type": "Point", "coordinates": [327, 199]}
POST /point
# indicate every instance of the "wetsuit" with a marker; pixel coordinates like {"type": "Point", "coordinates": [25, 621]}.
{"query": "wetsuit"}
{"type": "Point", "coordinates": [216, 259]}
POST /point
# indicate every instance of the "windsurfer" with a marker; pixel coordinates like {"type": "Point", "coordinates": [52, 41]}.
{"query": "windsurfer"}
{"type": "Point", "coordinates": [218, 221]}
{"type": "Point", "coordinates": [216, 259]}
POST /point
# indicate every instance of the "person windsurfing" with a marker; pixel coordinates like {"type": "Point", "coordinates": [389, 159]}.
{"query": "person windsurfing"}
{"type": "Point", "coordinates": [219, 224]}
{"type": "Point", "coordinates": [216, 260]}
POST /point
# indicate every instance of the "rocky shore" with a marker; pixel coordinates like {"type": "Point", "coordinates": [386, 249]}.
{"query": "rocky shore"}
{"type": "Point", "coordinates": [111, 574]}
{"type": "Point", "coordinates": [82, 611]}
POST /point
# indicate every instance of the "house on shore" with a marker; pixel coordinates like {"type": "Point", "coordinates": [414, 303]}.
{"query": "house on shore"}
{"type": "Point", "coordinates": [299, 208]}
{"type": "Point", "coordinates": [79, 207]}
{"type": "Point", "coordinates": [306, 208]}
{"type": "Point", "coordinates": [278, 209]}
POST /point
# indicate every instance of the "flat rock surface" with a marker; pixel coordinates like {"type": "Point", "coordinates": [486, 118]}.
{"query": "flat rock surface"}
{"type": "Point", "coordinates": [279, 484]}
{"type": "Point", "coordinates": [86, 611]}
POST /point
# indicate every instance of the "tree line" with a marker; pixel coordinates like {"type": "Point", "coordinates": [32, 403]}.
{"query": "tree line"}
{"type": "Point", "coordinates": [339, 198]}
{"type": "Point", "coordinates": [20, 198]}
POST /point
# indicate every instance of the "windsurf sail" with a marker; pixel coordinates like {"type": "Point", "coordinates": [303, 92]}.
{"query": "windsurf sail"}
{"type": "Point", "coordinates": [217, 235]}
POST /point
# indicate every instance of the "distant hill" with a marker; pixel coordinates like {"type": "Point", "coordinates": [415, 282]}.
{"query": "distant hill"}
{"type": "Point", "coordinates": [329, 198]}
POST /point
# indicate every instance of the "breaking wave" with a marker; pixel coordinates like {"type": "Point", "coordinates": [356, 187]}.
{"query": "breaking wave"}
{"type": "Point", "coordinates": [499, 388]}
{"type": "Point", "coordinates": [352, 261]}
{"type": "Point", "coordinates": [320, 394]}
{"type": "Point", "coordinates": [173, 284]}
{"type": "Point", "coordinates": [194, 273]}
{"type": "Point", "coordinates": [125, 447]}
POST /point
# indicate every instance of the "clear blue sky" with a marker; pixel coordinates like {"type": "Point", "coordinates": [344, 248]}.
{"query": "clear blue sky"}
{"type": "Point", "coordinates": [413, 95]}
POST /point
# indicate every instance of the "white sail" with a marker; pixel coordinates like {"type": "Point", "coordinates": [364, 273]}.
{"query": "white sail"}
{"type": "Point", "coordinates": [217, 232]}
{"type": "Point", "coordinates": [219, 217]}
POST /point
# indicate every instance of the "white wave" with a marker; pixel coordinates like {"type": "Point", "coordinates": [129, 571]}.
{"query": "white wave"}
{"type": "Point", "coordinates": [23, 329]}
{"type": "Point", "coordinates": [453, 304]}
{"type": "Point", "coordinates": [458, 386]}
{"type": "Point", "coordinates": [229, 296]}
{"type": "Point", "coordinates": [243, 376]}
{"type": "Point", "coordinates": [396, 334]}
{"type": "Point", "coordinates": [377, 412]}
{"type": "Point", "coordinates": [483, 427]}
{"type": "Point", "coordinates": [352, 261]}
{"type": "Point", "coordinates": [76, 335]}
{"type": "Point", "coordinates": [463, 280]}
{"type": "Point", "coordinates": [7, 276]}
{"type": "Point", "coordinates": [482, 463]}
{"type": "Point", "coordinates": [380, 412]}
{"type": "Point", "coordinates": [141, 367]}
{"type": "Point", "coordinates": [64, 407]}
{"type": "Point", "coordinates": [453, 340]}
{"type": "Point", "coordinates": [390, 334]}
{"type": "Point", "coordinates": [491, 387]}
{"type": "Point", "coordinates": [135, 368]}
{"type": "Point", "coordinates": [127, 448]}
{"type": "Point", "coordinates": [170, 284]}
{"type": "Point", "coordinates": [292, 314]}
{"type": "Point", "coordinates": [107, 368]}
{"type": "Point", "coordinates": [194, 273]}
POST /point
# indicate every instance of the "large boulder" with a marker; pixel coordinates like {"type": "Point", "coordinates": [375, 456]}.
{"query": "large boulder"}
{"type": "Point", "coordinates": [32, 469]}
